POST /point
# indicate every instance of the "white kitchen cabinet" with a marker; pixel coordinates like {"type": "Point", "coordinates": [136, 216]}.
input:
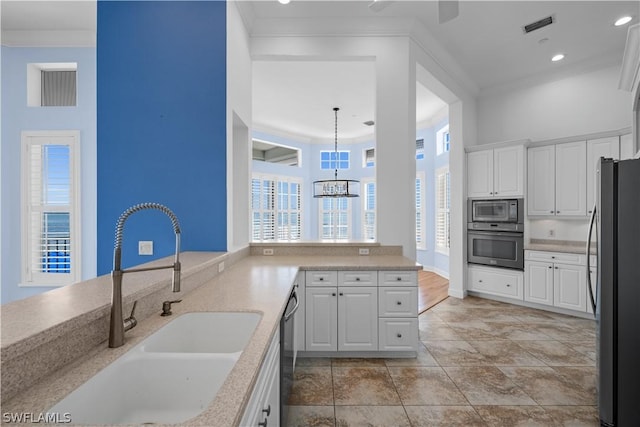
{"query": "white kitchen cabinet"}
{"type": "Point", "coordinates": [496, 281]}
{"type": "Point", "coordinates": [570, 287]}
{"type": "Point", "coordinates": [596, 148]}
{"type": "Point", "coordinates": [496, 173]}
{"type": "Point", "coordinates": [555, 278]}
{"type": "Point", "coordinates": [538, 282]}
{"type": "Point", "coordinates": [343, 313]}
{"type": "Point", "coordinates": [398, 334]}
{"type": "Point", "coordinates": [263, 408]}
{"type": "Point", "coordinates": [321, 319]}
{"type": "Point", "coordinates": [557, 180]}
{"type": "Point", "coordinates": [357, 318]}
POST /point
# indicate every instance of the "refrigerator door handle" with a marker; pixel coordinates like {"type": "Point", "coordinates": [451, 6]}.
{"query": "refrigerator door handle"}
{"type": "Point", "coordinates": [592, 222]}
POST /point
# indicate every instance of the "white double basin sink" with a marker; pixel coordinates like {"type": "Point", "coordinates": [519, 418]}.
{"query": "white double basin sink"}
{"type": "Point", "coordinates": [169, 377]}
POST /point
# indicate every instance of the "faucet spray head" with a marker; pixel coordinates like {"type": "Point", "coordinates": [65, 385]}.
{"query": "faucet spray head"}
{"type": "Point", "coordinates": [175, 283]}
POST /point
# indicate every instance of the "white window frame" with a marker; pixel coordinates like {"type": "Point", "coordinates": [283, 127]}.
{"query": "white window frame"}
{"type": "Point", "coordinates": [365, 157]}
{"type": "Point", "coordinates": [421, 240]}
{"type": "Point", "coordinates": [28, 140]}
{"type": "Point", "coordinates": [420, 153]}
{"type": "Point", "coordinates": [337, 162]}
{"type": "Point", "coordinates": [368, 235]}
{"type": "Point", "coordinates": [441, 146]}
{"type": "Point", "coordinates": [334, 226]}
{"type": "Point", "coordinates": [442, 209]}
{"type": "Point", "coordinates": [276, 208]}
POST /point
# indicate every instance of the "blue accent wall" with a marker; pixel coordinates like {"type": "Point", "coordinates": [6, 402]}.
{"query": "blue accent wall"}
{"type": "Point", "coordinates": [161, 84]}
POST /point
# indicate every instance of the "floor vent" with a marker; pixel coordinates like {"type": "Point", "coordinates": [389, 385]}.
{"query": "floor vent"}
{"type": "Point", "coordinates": [538, 24]}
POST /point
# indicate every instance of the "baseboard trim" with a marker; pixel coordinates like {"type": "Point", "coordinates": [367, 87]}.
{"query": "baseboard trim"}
{"type": "Point", "coordinates": [439, 272]}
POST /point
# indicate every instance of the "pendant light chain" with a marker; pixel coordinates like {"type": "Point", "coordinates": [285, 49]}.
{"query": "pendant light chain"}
{"type": "Point", "coordinates": [336, 109]}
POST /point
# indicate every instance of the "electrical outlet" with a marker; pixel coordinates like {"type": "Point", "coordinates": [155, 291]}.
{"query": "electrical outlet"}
{"type": "Point", "coordinates": [363, 251]}
{"type": "Point", "coordinates": [267, 251]}
{"type": "Point", "coordinates": [145, 247]}
{"type": "Point", "coordinates": [552, 232]}
{"type": "Point", "coordinates": [221, 267]}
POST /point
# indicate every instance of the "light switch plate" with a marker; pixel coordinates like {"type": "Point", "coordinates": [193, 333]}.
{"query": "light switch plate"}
{"type": "Point", "coordinates": [145, 247]}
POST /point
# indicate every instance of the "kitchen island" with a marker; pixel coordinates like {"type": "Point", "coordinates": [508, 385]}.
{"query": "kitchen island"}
{"type": "Point", "coordinates": [253, 283]}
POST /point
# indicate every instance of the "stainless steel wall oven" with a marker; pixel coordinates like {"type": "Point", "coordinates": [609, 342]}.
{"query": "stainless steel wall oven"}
{"type": "Point", "coordinates": [495, 233]}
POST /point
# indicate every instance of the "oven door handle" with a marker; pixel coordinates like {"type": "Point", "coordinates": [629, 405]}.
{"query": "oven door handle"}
{"type": "Point", "coordinates": [287, 316]}
{"type": "Point", "coordinates": [495, 233]}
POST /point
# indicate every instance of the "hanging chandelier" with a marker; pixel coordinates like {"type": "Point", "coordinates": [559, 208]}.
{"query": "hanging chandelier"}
{"type": "Point", "coordinates": [336, 187]}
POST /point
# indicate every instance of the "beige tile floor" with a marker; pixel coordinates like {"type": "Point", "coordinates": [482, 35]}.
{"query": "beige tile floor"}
{"type": "Point", "coordinates": [481, 363]}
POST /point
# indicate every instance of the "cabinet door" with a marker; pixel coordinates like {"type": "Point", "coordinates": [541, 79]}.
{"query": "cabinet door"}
{"type": "Point", "coordinates": [538, 282]}
{"type": "Point", "coordinates": [398, 334]}
{"type": "Point", "coordinates": [541, 181]}
{"type": "Point", "coordinates": [480, 173]}
{"type": "Point", "coordinates": [596, 148]}
{"type": "Point", "coordinates": [508, 171]}
{"type": "Point", "coordinates": [398, 301]}
{"type": "Point", "coordinates": [627, 150]}
{"type": "Point", "coordinates": [570, 287]}
{"type": "Point", "coordinates": [571, 173]}
{"type": "Point", "coordinates": [321, 320]}
{"type": "Point", "coordinates": [357, 318]}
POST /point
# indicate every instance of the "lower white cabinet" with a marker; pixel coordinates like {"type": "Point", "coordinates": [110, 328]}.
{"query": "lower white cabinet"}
{"type": "Point", "coordinates": [363, 311]}
{"type": "Point", "coordinates": [557, 279]}
{"type": "Point", "coordinates": [496, 281]}
{"type": "Point", "coordinates": [263, 408]}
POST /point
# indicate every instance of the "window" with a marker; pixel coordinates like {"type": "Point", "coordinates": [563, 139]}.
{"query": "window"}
{"type": "Point", "coordinates": [369, 158]}
{"type": "Point", "coordinates": [276, 208]}
{"type": "Point", "coordinates": [420, 149]}
{"type": "Point", "coordinates": [50, 208]}
{"type": "Point", "coordinates": [335, 218]}
{"type": "Point", "coordinates": [443, 140]}
{"type": "Point", "coordinates": [443, 203]}
{"type": "Point", "coordinates": [328, 160]}
{"type": "Point", "coordinates": [420, 231]}
{"type": "Point", "coordinates": [369, 210]}
{"type": "Point", "coordinates": [51, 84]}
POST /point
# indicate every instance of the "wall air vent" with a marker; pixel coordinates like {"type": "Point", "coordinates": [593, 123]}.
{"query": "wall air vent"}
{"type": "Point", "coordinates": [538, 24]}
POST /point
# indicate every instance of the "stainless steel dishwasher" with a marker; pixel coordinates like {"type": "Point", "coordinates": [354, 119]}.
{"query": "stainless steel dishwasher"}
{"type": "Point", "coordinates": [287, 352]}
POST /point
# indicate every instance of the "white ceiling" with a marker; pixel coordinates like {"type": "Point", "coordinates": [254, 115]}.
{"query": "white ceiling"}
{"type": "Point", "coordinates": [485, 40]}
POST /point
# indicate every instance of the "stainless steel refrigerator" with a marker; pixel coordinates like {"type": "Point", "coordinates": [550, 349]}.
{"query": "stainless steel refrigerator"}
{"type": "Point", "coordinates": [617, 292]}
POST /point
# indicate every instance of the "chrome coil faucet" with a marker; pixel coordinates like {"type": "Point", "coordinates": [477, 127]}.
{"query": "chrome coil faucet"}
{"type": "Point", "coordinates": [117, 325]}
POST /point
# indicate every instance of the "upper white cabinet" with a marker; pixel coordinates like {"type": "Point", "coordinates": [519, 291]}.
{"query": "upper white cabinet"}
{"type": "Point", "coordinates": [596, 148]}
{"type": "Point", "coordinates": [557, 180]}
{"type": "Point", "coordinates": [496, 173]}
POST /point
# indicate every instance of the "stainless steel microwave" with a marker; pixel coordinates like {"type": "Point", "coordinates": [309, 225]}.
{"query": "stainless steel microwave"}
{"type": "Point", "coordinates": [496, 211]}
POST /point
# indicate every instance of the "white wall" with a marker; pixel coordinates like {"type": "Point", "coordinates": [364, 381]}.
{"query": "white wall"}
{"type": "Point", "coordinates": [238, 130]}
{"type": "Point", "coordinates": [587, 102]}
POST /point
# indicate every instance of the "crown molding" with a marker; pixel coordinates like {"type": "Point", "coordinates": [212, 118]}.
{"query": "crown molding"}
{"type": "Point", "coordinates": [630, 71]}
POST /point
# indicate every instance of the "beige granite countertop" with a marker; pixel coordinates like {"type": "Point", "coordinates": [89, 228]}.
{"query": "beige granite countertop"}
{"type": "Point", "coordinates": [255, 283]}
{"type": "Point", "coordinates": [566, 246]}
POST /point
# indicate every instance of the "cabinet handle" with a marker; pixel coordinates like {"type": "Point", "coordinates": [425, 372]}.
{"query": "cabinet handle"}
{"type": "Point", "coordinates": [551, 212]}
{"type": "Point", "coordinates": [556, 268]}
{"type": "Point", "coordinates": [495, 193]}
{"type": "Point", "coordinates": [557, 211]}
{"type": "Point", "coordinates": [264, 423]}
{"type": "Point", "coordinates": [590, 211]}
{"type": "Point", "coordinates": [399, 279]}
{"type": "Point", "coordinates": [480, 281]}
{"type": "Point", "coordinates": [399, 335]}
{"type": "Point", "coordinates": [553, 257]}
{"type": "Point", "coordinates": [357, 279]}
{"type": "Point", "coordinates": [333, 294]}
{"type": "Point", "coordinates": [341, 294]}
{"type": "Point", "coordinates": [550, 267]}
{"type": "Point", "coordinates": [268, 410]}
{"type": "Point", "coordinates": [399, 302]}
{"type": "Point", "coordinates": [321, 279]}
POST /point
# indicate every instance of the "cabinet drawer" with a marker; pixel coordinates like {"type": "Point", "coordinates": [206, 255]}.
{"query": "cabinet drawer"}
{"type": "Point", "coordinates": [496, 281]}
{"type": "Point", "coordinates": [561, 257]}
{"type": "Point", "coordinates": [357, 278]}
{"type": "Point", "coordinates": [398, 278]}
{"type": "Point", "coordinates": [321, 278]}
{"type": "Point", "coordinates": [398, 334]}
{"type": "Point", "coordinates": [398, 301]}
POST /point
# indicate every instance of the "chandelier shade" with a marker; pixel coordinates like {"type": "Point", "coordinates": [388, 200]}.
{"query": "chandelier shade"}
{"type": "Point", "coordinates": [336, 187]}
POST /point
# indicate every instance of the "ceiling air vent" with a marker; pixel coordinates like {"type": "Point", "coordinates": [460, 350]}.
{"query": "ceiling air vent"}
{"type": "Point", "coordinates": [369, 123]}
{"type": "Point", "coordinates": [538, 24]}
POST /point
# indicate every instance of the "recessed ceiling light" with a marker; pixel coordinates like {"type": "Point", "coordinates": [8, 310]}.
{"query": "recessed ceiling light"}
{"type": "Point", "coordinates": [623, 20]}
{"type": "Point", "coordinates": [284, 1]}
{"type": "Point", "coordinates": [558, 57]}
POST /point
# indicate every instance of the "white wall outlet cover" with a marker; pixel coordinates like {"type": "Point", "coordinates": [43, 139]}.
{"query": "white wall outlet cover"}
{"type": "Point", "coordinates": [145, 247]}
{"type": "Point", "coordinates": [221, 267]}
{"type": "Point", "coordinates": [363, 251]}
{"type": "Point", "coordinates": [267, 251]}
